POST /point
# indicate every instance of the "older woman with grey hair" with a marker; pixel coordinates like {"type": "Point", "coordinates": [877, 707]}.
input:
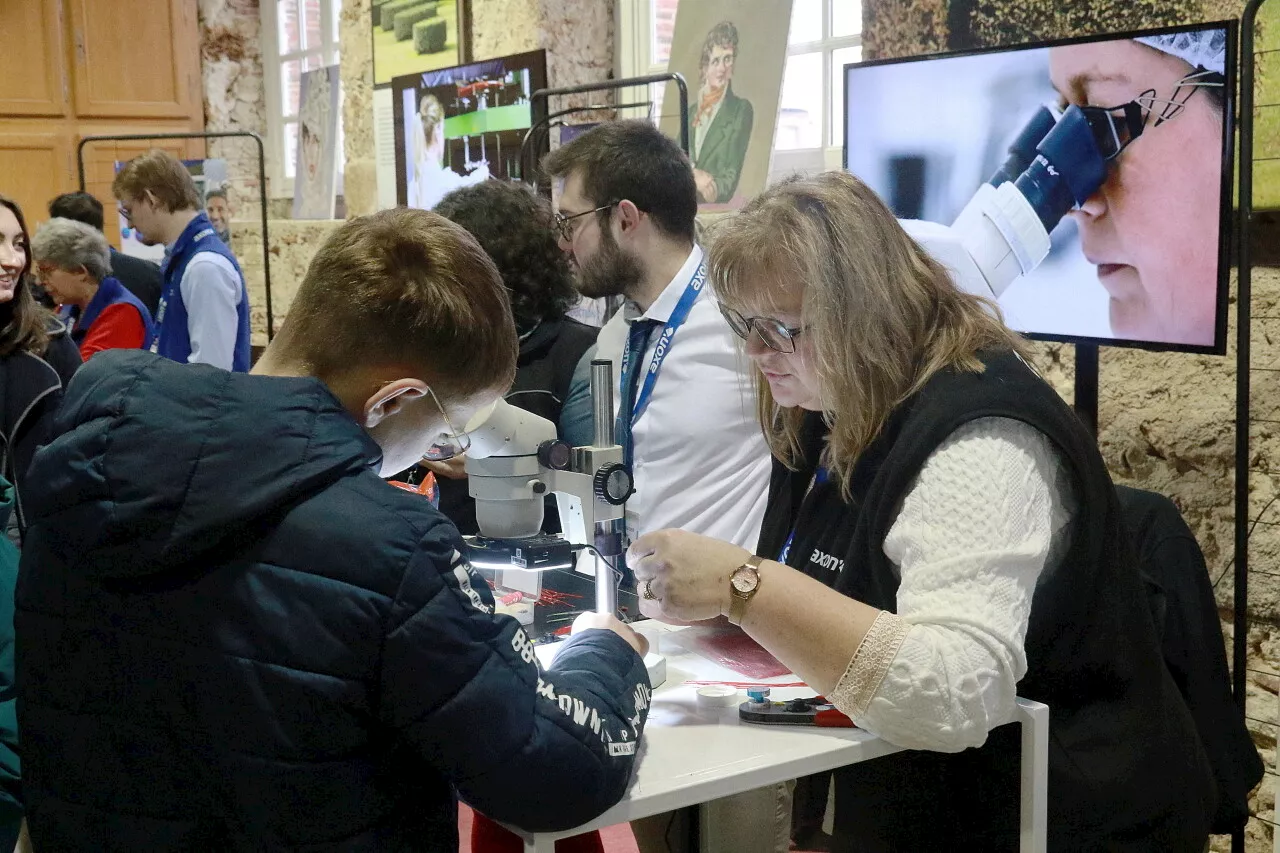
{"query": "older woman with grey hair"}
{"type": "Point", "coordinates": [74, 266]}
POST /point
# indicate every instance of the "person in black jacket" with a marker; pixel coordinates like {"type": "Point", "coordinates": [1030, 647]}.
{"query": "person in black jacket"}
{"type": "Point", "coordinates": [517, 229]}
{"type": "Point", "coordinates": [37, 360]}
{"type": "Point", "coordinates": [1186, 617]}
{"type": "Point", "coordinates": [234, 635]}
{"type": "Point", "coordinates": [140, 277]}
{"type": "Point", "coordinates": [941, 536]}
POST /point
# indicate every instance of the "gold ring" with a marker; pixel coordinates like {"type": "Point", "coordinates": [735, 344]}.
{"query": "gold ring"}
{"type": "Point", "coordinates": [648, 590]}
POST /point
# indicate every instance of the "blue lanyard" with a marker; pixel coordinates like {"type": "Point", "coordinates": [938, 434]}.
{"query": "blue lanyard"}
{"type": "Point", "coordinates": [819, 477]}
{"type": "Point", "coordinates": [629, 360]}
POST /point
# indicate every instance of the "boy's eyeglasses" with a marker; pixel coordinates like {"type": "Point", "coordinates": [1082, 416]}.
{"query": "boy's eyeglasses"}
{"type": "Point", "coordinates": [448, 444]}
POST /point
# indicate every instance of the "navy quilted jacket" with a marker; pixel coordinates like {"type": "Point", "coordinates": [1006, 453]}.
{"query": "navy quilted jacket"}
{"type": "Point", "coordinates": [234, 636]}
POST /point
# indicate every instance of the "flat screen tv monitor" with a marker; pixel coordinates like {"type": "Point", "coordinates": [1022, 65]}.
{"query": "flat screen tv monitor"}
{"type": "Point", "coordinates": [458, 126]}
{"type": "Point", "coordinates": [1141, 262]}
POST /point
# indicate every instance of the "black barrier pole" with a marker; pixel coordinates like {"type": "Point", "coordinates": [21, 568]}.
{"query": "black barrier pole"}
{"type": "Point", "coordinates": [1244, 291]}
{"type": "Point", "coordinates": [262, 188]}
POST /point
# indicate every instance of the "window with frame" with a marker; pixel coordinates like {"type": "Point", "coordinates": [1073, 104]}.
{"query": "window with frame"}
{"type": "Point", "coordinates": [825, 35]}
{"type": "Point", "coordinates": [297, 36]}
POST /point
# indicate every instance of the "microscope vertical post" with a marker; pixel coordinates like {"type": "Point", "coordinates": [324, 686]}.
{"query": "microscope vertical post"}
{"type": "Point", "coordinates": [602, 400]}
{"type": "Point", "coordinates": [602, 411]}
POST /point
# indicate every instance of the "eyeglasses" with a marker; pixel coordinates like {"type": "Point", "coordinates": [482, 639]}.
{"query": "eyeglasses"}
{"type": "Point", "coordinates": [566, 230]}
{"type": "Point", "coordinates": [448, 444]}
{"type": "Point", "coordinates": [773, 333]}
{"type": "Point", "coordinates": [1115, 128]}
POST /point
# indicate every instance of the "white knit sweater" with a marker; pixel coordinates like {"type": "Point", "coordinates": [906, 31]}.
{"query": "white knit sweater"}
{"type": "Point", "coordinates": [987, 513]}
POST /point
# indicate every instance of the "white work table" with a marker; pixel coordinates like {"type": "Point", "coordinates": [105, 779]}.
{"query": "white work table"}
{"type": "Point", "coordinates": [693, 753]}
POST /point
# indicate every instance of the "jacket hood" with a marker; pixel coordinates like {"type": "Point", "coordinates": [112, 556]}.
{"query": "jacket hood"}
{"type": "Point", "coordinates": [159, 465]}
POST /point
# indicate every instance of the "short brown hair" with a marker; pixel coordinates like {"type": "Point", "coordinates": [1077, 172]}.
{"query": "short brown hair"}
{"type": "Point", "coordinates": [631, 159]}
{"type": "Point", "coordinates": [882, 315]}
{"type": "Point", "coordinates": [410, 290]}
{"type": "Point", "coordinates": [161, 174]}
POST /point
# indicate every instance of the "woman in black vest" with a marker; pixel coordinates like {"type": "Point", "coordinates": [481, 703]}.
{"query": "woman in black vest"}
{"type": "Point", "coordinates": [941, 536]}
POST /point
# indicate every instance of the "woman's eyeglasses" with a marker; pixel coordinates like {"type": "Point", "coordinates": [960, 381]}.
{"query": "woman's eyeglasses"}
{"type": "Point", "coordinates": [448, 444]}
{"type": "Point", "coordinates": [1115, 128]}
{"type": "Point", "coordinates": [564, 223]}
{"type": "Point", "coordinates": [774, 335]}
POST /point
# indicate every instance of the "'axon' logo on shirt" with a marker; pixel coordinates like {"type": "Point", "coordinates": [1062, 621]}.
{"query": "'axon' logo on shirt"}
{"type": "Point", "coordinates": [827, 561]}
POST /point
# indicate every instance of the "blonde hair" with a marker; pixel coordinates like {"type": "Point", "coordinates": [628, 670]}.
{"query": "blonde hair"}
{"type": "Point", "coordinates": [881, 316]}
{"type": "Point", "coordinates": [432, 114]}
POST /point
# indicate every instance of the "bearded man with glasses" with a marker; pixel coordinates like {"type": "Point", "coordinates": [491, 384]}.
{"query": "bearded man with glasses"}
{"type": "Point", "coordinates": [627, 209]}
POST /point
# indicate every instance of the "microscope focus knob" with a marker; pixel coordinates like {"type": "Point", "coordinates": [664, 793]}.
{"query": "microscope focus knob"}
{"type": "Point", "coordinates": [613, 484]}
{"type": "Point", "coordinates": [555, 455]}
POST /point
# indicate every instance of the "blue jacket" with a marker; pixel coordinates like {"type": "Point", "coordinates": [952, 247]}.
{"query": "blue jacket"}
{"type": "Point", "coordinates": [173, 339]}
{"type": "Point", "coordinates": [110, 292]}
{"type": "Point", "coordinates": [249, 641]}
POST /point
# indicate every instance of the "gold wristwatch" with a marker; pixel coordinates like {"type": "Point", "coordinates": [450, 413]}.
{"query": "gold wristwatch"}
{"type": "Point", "coordinates": [744, 583]}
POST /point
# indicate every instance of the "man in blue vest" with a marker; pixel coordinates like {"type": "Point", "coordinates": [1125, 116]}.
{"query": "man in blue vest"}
{"type": "Point", "coordinates": [204, 308]}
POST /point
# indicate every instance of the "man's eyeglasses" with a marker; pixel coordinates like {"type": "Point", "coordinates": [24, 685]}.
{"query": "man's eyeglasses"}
{"type": "Point", "coordinates": [773, 333]}
{"type": "Point", "coordinates": [448, 444]}
{"type": "Point", "coordinates": [563, 222]}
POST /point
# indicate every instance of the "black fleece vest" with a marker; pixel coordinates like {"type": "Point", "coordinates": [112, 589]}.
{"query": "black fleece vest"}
{"type": "Point", "coordinates": [1127, 771]}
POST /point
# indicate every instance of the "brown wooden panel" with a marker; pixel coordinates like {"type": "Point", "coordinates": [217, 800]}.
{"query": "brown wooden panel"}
{"type": "Point", "coordinates": [135, 59]}
{"type": "Point", "coordinates": [32, 59]}
{"type": "Point", "coordinates": [35, 162]}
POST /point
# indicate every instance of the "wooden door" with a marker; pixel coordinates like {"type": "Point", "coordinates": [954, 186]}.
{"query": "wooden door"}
{"type": "Point", "coordinates": [32, 60]}
{"type": "Point", "coordinates": [36, 166]}
{"type": "Point", "coordinates": [135, 60]}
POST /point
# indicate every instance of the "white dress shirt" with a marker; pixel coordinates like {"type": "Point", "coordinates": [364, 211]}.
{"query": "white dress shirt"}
{"type": "Point", "coordinates": [211, 291]}
{"type": "Point", "coordinates": [701, 462]}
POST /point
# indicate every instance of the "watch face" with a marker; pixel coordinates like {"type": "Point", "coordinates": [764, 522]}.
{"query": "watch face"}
{"type": "Point", "coordinates": [743, 579]}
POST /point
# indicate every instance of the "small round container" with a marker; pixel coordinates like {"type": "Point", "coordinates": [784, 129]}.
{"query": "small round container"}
{"type": "Point", "coordinates": [717, 695]}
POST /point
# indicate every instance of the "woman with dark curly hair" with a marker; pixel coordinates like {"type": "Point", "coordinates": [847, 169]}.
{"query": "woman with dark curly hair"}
{"type": "Point", "coordinates": [517, 229]}
{"type": "Point", "coordinates": [37, 359]}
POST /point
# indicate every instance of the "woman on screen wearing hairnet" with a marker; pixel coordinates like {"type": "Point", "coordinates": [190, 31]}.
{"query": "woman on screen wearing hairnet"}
{"type": "Point", "coordinates": [1151, 228]}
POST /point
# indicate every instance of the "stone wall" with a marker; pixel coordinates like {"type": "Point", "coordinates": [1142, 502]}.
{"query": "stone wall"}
{"type": "Point", "coordinates": [293, 242]}
{"type": "Point", "coordinates": [234, 97]}
{"type": "Point", "coordinates": [359, 181]}
{"type": "Point", "coordinates": [1166, 421]}
{"type": "Point", "coordinates": [577, 34]}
